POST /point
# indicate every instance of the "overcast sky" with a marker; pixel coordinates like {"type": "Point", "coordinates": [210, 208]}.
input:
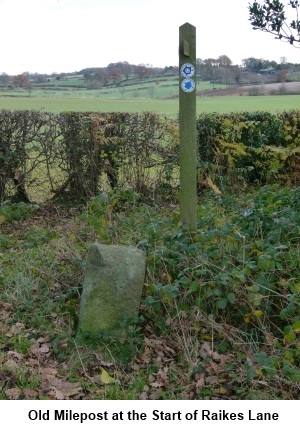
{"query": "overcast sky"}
{"type": "Point", "coordinates": [46, 36]}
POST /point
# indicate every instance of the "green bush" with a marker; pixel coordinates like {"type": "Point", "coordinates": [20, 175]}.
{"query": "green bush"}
{"type": "Point", "coordinates": [81, 154]}
{"type": "Point", "coordinates": [244, 263]}
{"type": "Point", "coordinates": [255, 146]}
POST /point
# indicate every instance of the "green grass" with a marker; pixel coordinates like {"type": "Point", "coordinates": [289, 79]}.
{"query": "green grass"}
{"type": "Point", "coordinates": [88, 104]}
{"type": "Point", "coordinates": [169, 107]}
{"type": "Point", "coordinates": [152, 88]}
{"type": "Point", "coordinates": [71, 81]}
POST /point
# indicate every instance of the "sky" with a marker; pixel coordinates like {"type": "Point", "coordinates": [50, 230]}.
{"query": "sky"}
{"type": "Point", "coordinates": [47, 36]}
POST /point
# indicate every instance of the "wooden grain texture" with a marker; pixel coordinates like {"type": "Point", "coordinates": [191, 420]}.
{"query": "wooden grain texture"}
{"type": "Point", "coordinates": [187, 125]}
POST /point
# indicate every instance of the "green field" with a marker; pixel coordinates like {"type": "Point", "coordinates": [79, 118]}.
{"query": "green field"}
{"type": "Point", "coordinates": [75, 87]}
{"type": "Point", "coordinates": [157, 94]}
{"type": "Point", "coordinates": [168, 107]}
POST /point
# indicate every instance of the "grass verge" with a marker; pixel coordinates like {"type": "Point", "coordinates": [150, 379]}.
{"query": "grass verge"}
{"type": "Point", "coordinates": [219, 316]}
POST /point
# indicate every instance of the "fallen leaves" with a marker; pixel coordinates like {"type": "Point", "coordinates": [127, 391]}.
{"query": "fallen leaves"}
{"type": "Point", "coordinates": [29, 394]}
{"type": "Point", "coordinates": [58, 388]}
{"type": "Point", "coordinates": [51, 386]}
{"type": "Point", "coordinates": [15, 329]}
{"type": "Point", "coordinates": [37, 364]}
{"type": "Point", "coordinates": [13, 393]}
{"type": "Point", "coordinates": [40, 349]}
{"type": "Point", "coordinates": [209, 372]}
{"type": "Point", "coordinates": [6, 312]}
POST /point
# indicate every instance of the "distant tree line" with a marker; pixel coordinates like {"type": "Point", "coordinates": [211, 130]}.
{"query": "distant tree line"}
{"type": "Point", "coordinates": [115, 73]}
{"type": "Point", "coordinates": [218, 70]}
{"type": "Point", "coordinates": [222, 70]}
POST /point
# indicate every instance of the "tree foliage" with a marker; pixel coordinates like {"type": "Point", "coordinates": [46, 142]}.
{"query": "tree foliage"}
{"type": "Point", "coordinates": [22, 81]}
{"type": "Point", "coordinates": [272, 18]}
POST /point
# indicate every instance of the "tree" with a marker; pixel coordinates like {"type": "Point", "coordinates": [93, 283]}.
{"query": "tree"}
{"type": "Point", "coordinates": [115, 74]}
{"type": "Point", "coordinates": [236, 74]}
{"type": "Point", "coordinates": [282, 75]}
{"type": "Point", "coordinates": [224, 61]}
{"type": "Point", "coordinates": [22, 81]}
{"type": "Point", "coordinates": [254, 65]}
{"type": "Point", "coordinates": [40, 78]}
{"type": "Point", "coordinates": [271, 17]}
{"type": "Point", "coordinates": [95, 77]}
{"type": "Point", "coordinates": [4, 79]}
{"type": "Point", "coordinates": [126, 68]}
{"type": "Point", "coordinates": [141, 71]}
{"type": "Point", "coordinates": [209, 66]}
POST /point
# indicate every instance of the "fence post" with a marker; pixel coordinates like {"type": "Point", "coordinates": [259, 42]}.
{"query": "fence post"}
{"type": "Point", "coordinates": [187, 126]}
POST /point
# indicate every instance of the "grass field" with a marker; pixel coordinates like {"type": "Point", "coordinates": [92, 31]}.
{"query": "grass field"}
{"type": "Point", "coordinates": [158, 88]}
{"type": "Point", "coordinates": [168, 107]}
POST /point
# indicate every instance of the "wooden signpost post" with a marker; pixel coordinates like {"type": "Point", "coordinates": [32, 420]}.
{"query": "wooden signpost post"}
{"type": "Point", "coordinates": [187, 127]}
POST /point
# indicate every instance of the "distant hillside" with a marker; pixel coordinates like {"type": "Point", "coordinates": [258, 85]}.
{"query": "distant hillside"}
{"type": "Point", "coordinates": [254, 90]}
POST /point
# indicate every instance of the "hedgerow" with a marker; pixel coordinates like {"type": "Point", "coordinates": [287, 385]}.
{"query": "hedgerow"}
{"type": "Point", "coordinates": [73, 154]}
{"type": "Point", "coordinates": [249, 147]}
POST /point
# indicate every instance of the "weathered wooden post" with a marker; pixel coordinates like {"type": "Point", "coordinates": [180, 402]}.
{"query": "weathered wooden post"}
{"type": "Point", "coordinates": [187, 126]}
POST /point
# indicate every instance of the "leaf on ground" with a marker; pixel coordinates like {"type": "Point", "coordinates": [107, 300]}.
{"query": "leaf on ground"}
{"type": "Point", "coordinates": [6, 376]}
{"type": "Point", "coordinates": [5, 315]}
{"type": "Point", "coordinates": [105, 377]}
{"type": "Point", "coordinates": [14, 360]}
{"type": "Point", "coordinates": [30, 394]}
{"type": "Point", "coordinates": [215, 367]}
{"type": "Point", "coordinates": [161, 379]}
{"type": "Point", "coordinates": [13, 393]}
{"type": "Point", "coordinates": [48, 372]}
{"type": "Point", "coordinates": [207, 351]}
{"type": "Point", "coordinates": [220, 390]}
{"type": "Point", "coordinates": [184, 395]}
{"type": "Point", "coordinates": [146, 357]}
{"type": "Point", "coordinates": [155, 394]}
{"type": "Point", "coordinates": [200, 382]}
{"type": "Point", "coordinates": [15, 329]}
{"type": "Point", "coordinates": [44, 349]}
{"type": "Point", "coordinates": [136, 367]}
{"type": "Point", "coordinates": [33, 362]}
{"type": "Point", "coordinates": [39, 350]}
{"type": "Point", "coordinates": [271, 339]}
{"type": "Point", "coordinates": [66, 390]}
{"type": "Point", "coordinates": [11, 364]}
{"type": "Point", "coordinates": [41, 340]}
{"type": "Point", "coordinates": [258, 313]}
{"type": "Point", "coordinates": [15, 355]}
{"type": "Point", "coordinates": [212, 380]}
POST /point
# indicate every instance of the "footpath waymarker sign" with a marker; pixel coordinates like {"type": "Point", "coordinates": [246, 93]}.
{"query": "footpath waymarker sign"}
{"type": "Point", "coordinates": [187, 126]}
{"type": "Point", "coordinates": [188, 85]}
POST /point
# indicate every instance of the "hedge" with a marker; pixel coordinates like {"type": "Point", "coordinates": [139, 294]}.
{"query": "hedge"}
{"type": "Point", "coordinates": [44, 155]}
